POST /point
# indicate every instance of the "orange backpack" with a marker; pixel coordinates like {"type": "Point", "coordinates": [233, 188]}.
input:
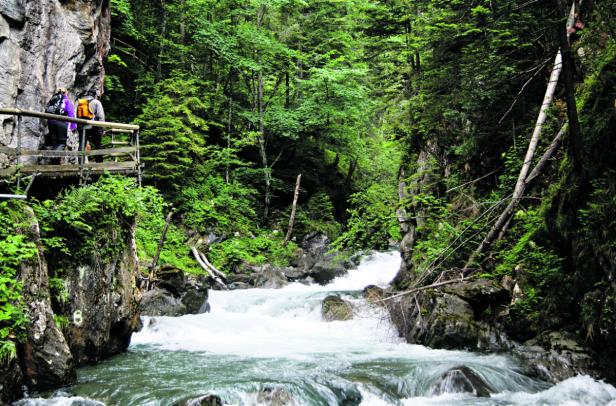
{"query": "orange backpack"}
{"type": "Point", "coordinates": [83, 109]}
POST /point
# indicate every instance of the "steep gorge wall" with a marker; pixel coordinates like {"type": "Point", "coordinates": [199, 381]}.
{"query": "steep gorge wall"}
{"type": "Point", "coordinates": [45, 44]}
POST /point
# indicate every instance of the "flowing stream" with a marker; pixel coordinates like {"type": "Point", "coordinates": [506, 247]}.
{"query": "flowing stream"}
{"type": "Point", "coordinates": [260, 345]}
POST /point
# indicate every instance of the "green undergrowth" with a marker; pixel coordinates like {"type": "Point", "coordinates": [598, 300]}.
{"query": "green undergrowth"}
{"type": "Point", "coordinates": [14, 248]}
{"type": "Point", "coordinates": [266, 247]}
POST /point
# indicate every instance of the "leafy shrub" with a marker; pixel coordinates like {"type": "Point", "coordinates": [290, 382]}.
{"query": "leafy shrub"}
{"type": "Point", "coordinates": [14, 248]}
{"type": "Point", "coordinates": [215, 205]}
{"type": "Point", "coordinates": [372, 222]}
{"type": "Point", "coordinates": [264, 248]}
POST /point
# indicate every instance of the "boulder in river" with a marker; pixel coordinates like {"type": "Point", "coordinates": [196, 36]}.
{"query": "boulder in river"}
{"type": "Point", "coordinates": [275, 396]}
{"type": "Point", "coordinates": [176, 299]}
{"type": "Point", "coordinates": [458, 317]}
{"type": "Point", "coordinates": [462, 380]}
{"type": "Point", "coordinates": [336, 308]}
{"type": "Point", "coordinates": [556, 356]}
{"type": "Point", "coordinates": [205, 400]}
{"type": "Point", "coordinates": [269, 277]}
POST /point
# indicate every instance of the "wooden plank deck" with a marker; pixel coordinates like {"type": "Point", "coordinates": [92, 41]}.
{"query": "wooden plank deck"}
{"type": "Point", "coordinates": [68, 170]}
{"type": "Point", "coordinates": [60, 154]}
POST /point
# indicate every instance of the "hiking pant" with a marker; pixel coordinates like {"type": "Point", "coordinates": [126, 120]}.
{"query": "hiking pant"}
{"type": "Point", "coordinates": [58, 133]}
{"type": "Point", "coordinates": [94, 136]}
{"type": "Point", "coordinates": [57, 137]}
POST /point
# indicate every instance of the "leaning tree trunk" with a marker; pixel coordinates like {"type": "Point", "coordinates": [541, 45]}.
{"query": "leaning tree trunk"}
{"type": "Point", "coordinates": [496, 232]}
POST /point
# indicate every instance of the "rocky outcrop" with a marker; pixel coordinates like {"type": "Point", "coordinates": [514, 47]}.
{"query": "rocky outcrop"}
{"type": "Point", "coordinates": [104, 303]}
{"type": "Point", "coordinates": [45, 44]}
{"type": "Point", "coordinates": [175, 294]}
{"type": "Point", "coordinates": [471, 315]}
{"type": "Point", "coordinates": [46, 359]}
{"type": "Point", "coordinates": [336, 308]}
{"type": "Point", "coordinates": [556, 356]}
{"type": "Point", "coordinates": [458, 317]}
{"type": "Point", "coordinates": [205, 400]}
{"type": "Point", "coordinates": [10, 381]}
{"type": "Point", "coordinates": [315, 263]}
{"type": "Point", "coordinates": [275, 396]}
{"type": "Point", "coordinates": [462, 380]}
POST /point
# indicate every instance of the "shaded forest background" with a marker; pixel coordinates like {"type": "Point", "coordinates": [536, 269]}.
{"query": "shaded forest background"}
{"type": "Point", "coordinates": [408, 120]}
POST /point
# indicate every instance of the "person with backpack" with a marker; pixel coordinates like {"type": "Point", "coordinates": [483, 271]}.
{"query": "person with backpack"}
{"type": "Point", "coordinates": [60, 105]}
{"type": "Point", "coordinates": [90, 108]}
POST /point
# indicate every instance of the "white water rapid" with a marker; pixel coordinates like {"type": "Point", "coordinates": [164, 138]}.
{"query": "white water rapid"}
{"type": "Point", "coordinates": [271, 347]}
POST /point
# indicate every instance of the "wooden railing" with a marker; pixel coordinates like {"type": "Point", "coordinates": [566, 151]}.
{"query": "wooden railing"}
{"type": "Point", "coordinates": [128, 152]}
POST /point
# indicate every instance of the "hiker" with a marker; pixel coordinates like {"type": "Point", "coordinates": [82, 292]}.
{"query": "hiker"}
{"type": "Point", "coordinates": [90, 108]}
{"type": "Point", "coordinates": [60, 105]}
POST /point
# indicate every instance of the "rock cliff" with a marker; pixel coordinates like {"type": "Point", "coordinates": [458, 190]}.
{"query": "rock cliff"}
{"type": "Point", "coordinates": [45, 44]}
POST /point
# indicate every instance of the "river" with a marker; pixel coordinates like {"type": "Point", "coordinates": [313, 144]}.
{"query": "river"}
{"type": "Point", "coordinates": [260, 344]}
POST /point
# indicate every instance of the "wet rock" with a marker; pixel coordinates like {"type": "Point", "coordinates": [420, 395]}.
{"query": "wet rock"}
{"type": "Point", "coordinates": [269, 277]}
{"type": "Point", "coordinates": [315, 243]}
{"type": "Point", "coordinates": [480, 294]}
{"type": "Point", "coordinates": [206, 400]}
{"type": "Point", "coordinates": [104, 301]}
{"type": "Point", "coordinates": [556, 356]}
{"type": "Point", "coordinates": [293, 274]}
{"type": "Point", "coordinates": [10, 381]}
{"type": "Point", "coordinates": [171, 279]}
{"type": "Point", "coordinates": [449, 320]}
{"type": "Point", "coordinates": [373, 293]}
{"type": "Point", "coordinates": [327, 269]}
{"type": "Point", "coordinates": [46, 359]}
{"type": "Point", "coordinates": [164, 299]}
{"type": "Point", "coordinates": [159, 302]}
{"type": "Point", "coordinates": [275, 396]}
{"type": "Point", "coordinates": [336, 308]}
{"type": "Point", "coordinates": [462, 380]}
{"type": "Point", "coordinates": [238, 286]}
{"type": "Point", "coordinates": [196, 295]}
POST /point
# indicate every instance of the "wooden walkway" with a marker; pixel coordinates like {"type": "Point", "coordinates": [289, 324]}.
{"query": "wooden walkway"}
{"type": "Point", "coordinates": [122, 156]}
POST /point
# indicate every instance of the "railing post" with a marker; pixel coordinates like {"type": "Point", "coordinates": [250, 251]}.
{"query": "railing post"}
{"type": "Point", "coordinates": [138, 155]}
{"type": "Point", "coordinates": [18, 156]}
{"type": "Point", "coordinates": [82, 157]}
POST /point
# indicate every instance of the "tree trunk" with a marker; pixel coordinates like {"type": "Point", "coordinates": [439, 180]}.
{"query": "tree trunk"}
{"type": "Point", "coordinates": [504, 218]}
{"type": "Point", "coordinates": [574, 146]}
{"type": "Point", "coordinates": [161, 46]}
{"type": "Point", "coordinates": [267, 171]}
{"type": "Point", "coordinates": [159, 249]}
{"type": "Point", "coordinates": [293, 208]}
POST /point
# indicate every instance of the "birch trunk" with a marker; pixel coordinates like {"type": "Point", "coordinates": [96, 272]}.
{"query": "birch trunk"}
{"type": "Point", "coordinates": [293, 208]}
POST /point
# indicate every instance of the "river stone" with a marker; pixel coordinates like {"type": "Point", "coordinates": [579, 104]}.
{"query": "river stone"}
{"type": "Point", "coordinates": [373, 293]}
{"type": "Point", "coordinates": [195, 300]}
{"type": "Point", "coordinates": [336, 308]}
{"type": "Point", "coordinates": [275, 396]}
{"type": "Point", "coordinates": [556, 356]}
{"type": "Point", "coordinates": [171, 279]}
{"type": "Point", "coordinates": [462, 380]}
{"type": "Point", "coordinates": [206, 400]}
{"type": "Point", "coordinates": [269, 277]}
{"type": "Point", "coordinates": [327, 269]}
{"type": "Point", "coordinates": [159, 302]}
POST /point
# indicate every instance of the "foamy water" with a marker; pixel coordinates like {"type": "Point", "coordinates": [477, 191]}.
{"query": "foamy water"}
{"type": "Point", "coordinates": [275, 339]}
